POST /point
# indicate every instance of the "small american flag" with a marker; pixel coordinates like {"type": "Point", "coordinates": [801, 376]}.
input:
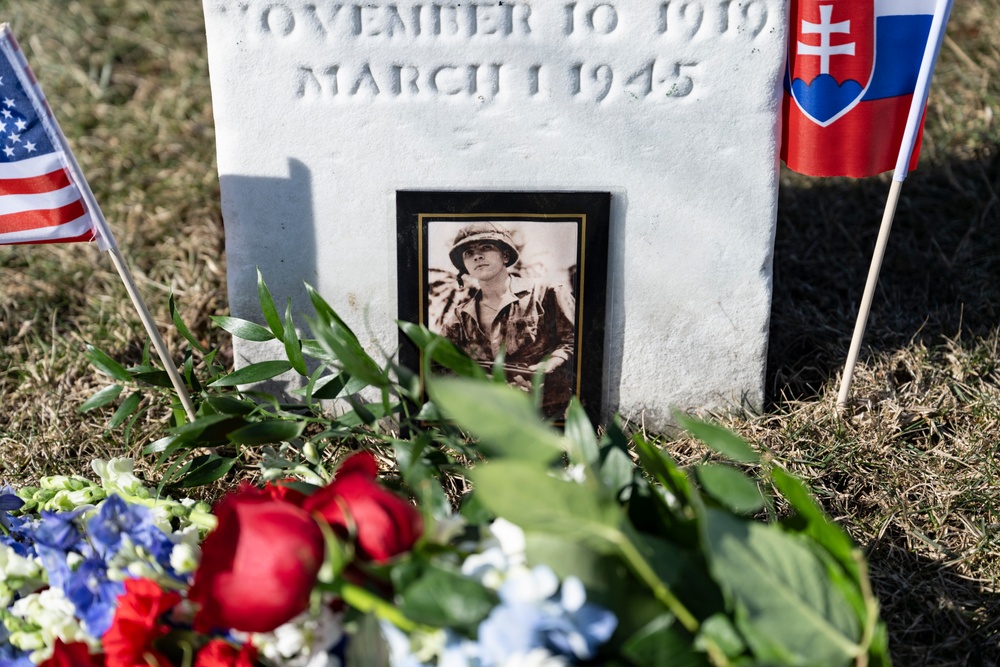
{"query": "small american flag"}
{"type": "Point", "coordinates": [40, 201]}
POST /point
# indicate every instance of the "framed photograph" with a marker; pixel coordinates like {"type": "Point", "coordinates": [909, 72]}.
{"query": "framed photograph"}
{"type": "Point", "coordinates": [522, 274]}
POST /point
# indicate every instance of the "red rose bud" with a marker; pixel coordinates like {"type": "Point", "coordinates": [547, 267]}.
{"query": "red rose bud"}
{"type": "Point", "coordinates": [386, 524]}
{"type": "Point", "coordinates": [74, 654]}
{"type": "Point", "coordinates": [258, 566]}
{"type": "Point", "coordinates": [218, 653]}
{"type": "Point", "coordinates": [137, 624]}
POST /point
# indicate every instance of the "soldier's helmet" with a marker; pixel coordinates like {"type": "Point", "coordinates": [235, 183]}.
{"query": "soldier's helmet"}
{"type": "Point", "coordinates": [481, 232]}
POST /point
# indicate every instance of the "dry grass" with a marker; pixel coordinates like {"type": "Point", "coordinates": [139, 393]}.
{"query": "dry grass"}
{"type": "Point", "coordinates": [910, 471]}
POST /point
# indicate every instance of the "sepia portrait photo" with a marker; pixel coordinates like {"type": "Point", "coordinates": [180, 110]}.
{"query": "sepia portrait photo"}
{"type": "Point", "coordinates": [505, 277]}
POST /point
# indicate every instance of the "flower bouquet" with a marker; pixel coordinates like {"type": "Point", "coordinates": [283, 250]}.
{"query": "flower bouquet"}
{"type": "Point", "coordinates": [459, 531]}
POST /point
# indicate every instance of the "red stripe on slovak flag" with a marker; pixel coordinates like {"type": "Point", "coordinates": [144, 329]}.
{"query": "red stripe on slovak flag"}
{"type": "Point", "coordinates": [36, 219]}
{"type": "Point", "coordinates": [36, 185]}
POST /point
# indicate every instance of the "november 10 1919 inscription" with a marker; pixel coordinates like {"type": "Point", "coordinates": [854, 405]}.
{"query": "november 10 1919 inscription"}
{"type": "Point", "coordinates": [369, 33]}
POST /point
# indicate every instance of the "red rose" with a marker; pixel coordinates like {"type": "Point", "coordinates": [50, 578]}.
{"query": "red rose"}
{"type": "Point", "coordinates": [258, 566]}
{"type": "Point", "coordinates": [74, 654]}
{"type": "Point", "coordinates": [218, 653]}
{"type": "Point", "coordinates": [136, 624]}
{"type": "Point", "coordinates": [286, 493]}
{"type": "Point", "coordinates": [385, 524]}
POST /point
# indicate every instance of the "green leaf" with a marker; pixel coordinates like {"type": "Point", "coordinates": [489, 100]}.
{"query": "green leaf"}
{"type": "Point", "coordinates": [503, 419]}
{"type": "Point", "coordinates": [558, 507]}
{"type": "Point", "coordinates": [717, 630]}
{"type": "Point", "coordinates": [817, 525]}
{"type": "Point", "coordinates": [365, 413]}
{"type": "Point", "coordinates": [441, 350]}
{"type": "Point", "coordinates": [268, 309]}
{"type": "Point", "coordinates": [181, 326]}
{"type": "Point", "coordinates": [161, 445]}
{"type": "Point", "coordinates": [332, 386]}
{"type": "Point", "coordinates": [244, 329]}
{"type": "Point", "coordinates": [580, 435]}
{"type": "Point", "coordinates": [128, 406]}
{"type": "Point", "coordinates": [101, 398]}
{"type": "Point", "coordinates": [616, 468]}
{"type": "Point", "coordinates": [265, 432]}
{"type": "Point", "coordinates": [448, 599]}
{"type": "Point", "coordinates": [264, 370]}
{"type": "Point", "coordinates": [342, 344]}
{"type": "Point", "coordinates": [662, 642]}
{"type": "Point", "coordinates": [154, 377]}
{"type": "Point", "coordinates": [312, 349]}
{"type": "Point", "coordinates": [721, 440]}
{"type": "Point", "coordinates": [228, 405]}
{"type": "Point", "coordinates": [730, 487]}
{"type": "Point", "coordinates": [663, 469]}
{"type": "Point", "coordinates": [205, 469]}
{"type": "Point", "coordinates": [292, 347]}
{"type": "Point", "coordinates": [367, 647]}
{"type": "Point", "coordinates": [786, 607]}
{"type": "Point", "coordinates": [107, 365]}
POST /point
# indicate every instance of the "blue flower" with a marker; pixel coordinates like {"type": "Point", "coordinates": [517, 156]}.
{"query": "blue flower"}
{"type": "Point", "coordinates": [8, 502]}
{"type": "Point", "coordinates": [533, 615]}
{"type": "Point", "coordinates": [509, 630]}
{"type": "Point", "coordinates": [58, 530]}
{"type": "Point", "coordinates": [581, 628]}
{"type": "Point", "coordinates": [13, 657]}
{"type": "Point", "coordinates": [93, 595]}
{"type": "Point", "coordinates": [116, 519]}
{"type": "Point", "coordinates": [55, 535]}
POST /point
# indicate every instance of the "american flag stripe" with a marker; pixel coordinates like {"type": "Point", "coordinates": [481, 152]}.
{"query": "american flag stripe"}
{"type": "Point", "coordinates": [36, 218]}
{"type": "Point", "coordinates": [33, 185]}
{"type": "Point", "coordinates": [40, 202]}
{"type": "Point", "coordinates": [80, 229]}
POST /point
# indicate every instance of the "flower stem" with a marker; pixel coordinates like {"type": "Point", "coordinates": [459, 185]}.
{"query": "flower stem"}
{"type": "Point", "coordinates": [642, 569]}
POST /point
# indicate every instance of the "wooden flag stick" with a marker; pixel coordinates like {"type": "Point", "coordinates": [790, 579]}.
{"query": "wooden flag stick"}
{"type": "Point", "coordinates": [918, 104]}
{"type": "Point", "coordinates": [866, 299]}
{"type": "Point", "coordinates": [154, 334]}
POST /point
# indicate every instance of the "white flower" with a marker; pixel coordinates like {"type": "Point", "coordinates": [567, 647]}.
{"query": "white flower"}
{"type": "Point", "coordinates": [576, 473]}
{"type": "Point", "coordinates": [53, 617]}
{"type": "Point", "coordinates": [534, 586]}
{"type": "Point", "coordinates": [503, 553]}
{"type": "Point", "coordinates": [445, 529]}
{"type": "Point", "coordinates": [536, 657]}
{"type": "Point", "coordinates": [13, 566]}
{"type": "Point", "coordinates": [117, 476]}
{"type": "Point", "coordinates": [305, 641]}
{"type": "Point", "coordinates": [184, 557]}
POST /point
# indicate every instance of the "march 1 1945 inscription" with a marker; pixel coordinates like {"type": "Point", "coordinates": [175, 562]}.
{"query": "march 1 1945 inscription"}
{"type": "Point", "coordinates": [407, 51]}
{"type": "Point", "coordinates": [325, 109]}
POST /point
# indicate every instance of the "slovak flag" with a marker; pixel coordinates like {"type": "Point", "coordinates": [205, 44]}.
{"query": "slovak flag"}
{"type": "Point", "coordinates": [40, 200]}
{"type": "Point", "coordinates": [853, 66]}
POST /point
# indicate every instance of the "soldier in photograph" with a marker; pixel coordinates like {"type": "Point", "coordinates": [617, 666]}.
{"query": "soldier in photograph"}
{"type": "Point", "coordinates": [531, 323]}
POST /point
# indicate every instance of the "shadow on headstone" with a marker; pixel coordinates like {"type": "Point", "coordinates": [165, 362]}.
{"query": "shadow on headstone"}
{"type": "Point", "coordinates": [279, 237]}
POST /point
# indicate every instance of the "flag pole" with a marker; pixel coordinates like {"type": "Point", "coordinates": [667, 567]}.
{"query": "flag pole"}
{"type": "Point", "coordinates": [917, 105]}
{"type": "Point", "coordinates": [102, 231]}
{"type": "Point", "coordinates": [106, 241]}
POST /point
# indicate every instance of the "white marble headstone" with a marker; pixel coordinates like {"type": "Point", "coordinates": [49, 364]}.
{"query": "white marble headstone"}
{"type": "Point", "coordinates": [325, 109]}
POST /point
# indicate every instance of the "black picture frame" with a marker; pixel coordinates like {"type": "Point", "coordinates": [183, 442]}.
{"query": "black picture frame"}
{"type": "Point", "coordinates": [561, 241]}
